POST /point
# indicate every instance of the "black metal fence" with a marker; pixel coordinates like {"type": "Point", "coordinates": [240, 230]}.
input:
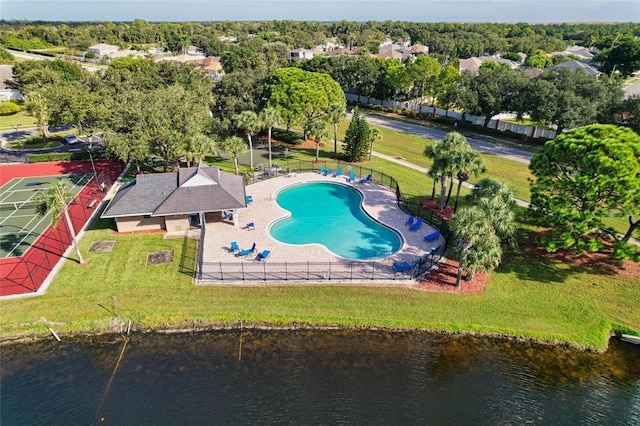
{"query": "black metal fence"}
{"type": "Point", "coordinates": [339, 271]}
{"type": "Point", "coordinates": [292, 272]}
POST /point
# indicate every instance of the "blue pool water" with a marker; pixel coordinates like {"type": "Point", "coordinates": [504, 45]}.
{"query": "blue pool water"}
{"type": "Point", "coordinates": [331, 215]}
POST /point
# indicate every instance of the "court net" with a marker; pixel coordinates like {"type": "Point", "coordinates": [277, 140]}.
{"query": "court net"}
{"type": "Point", "coordinates": [6, 206]}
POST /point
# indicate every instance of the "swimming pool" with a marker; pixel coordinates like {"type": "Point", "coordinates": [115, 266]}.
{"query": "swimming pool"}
{"type": "Point", "coordinates": [331, 214]}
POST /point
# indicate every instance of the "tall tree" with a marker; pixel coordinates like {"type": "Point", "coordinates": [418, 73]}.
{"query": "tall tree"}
{"type": "Point", "coordinates": [197, 147]}
{"type": "Point", "coordinates": [376, 135]}
{"type": "Point", "coordinates": [56, 200]}
{"type": "Point", "coordinates": [38, 106]}
{"type": "Point", "coordinates": [270, 117]}
{"type": "Point", "coordinates": [357, 137]}
{"type": "Point", "coordinates": [234, 147]}
{"type": "Point", "coordinates": [467, 162]}
{"type": "Point", "coordinates": [497, 200]}
{"type": "Point", "coordinates": [251, 124]}
{"type": "Point", "coordinates": [445, 155]}
{"type": "Point", "coordinates": [317, 130]}
{"type": "Point", "coordinates": [582, 177]}
{"type": "Point", "coordinates": [335, 114]}
{"type": "Point", "coordinates": [476, 245]}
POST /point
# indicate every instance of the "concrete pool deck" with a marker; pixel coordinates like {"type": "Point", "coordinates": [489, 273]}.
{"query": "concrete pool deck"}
{"type": "Point", "coordinates": [379, 202]}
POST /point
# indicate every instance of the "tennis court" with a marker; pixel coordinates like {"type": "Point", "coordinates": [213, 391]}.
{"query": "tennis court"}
{"type": "Point", "coordinates": [20, 226]}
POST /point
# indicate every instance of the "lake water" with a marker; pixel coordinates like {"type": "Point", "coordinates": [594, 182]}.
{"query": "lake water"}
{"type": "Point", "coordinates": [315, 378]}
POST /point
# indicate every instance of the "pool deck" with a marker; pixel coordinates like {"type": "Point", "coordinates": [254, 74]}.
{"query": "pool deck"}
{"type": "Point", "coordinates": [379, 202]}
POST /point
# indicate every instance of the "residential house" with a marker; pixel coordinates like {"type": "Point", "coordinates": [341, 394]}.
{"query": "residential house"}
{"type": "Point", "coordinates": [301, 54]}
{"type": "Point", "coordinates": [102, 49]}
{"type": "Point", "coordinates": [176, 201]}
{"type": "Point", "coordinates": [584, 53]}
{"type": "Point", "coordinates": [473, 64]}
{"type": "Point", "coordinates": [193, 50]}
{"type": "Point", "coordinates": [213, 67]}
{"type": "Point", "coordinates": [8, 86]}
{"type": "Point", "coordinates": [182, 59]}
{"type": "Point", "coordinates": [575, 65]}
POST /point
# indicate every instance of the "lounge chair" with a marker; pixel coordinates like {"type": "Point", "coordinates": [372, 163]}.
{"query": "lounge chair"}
{"type": "Point", "coordinates": [249, 199]}
{"type": "Point", "coordinates": [409, 221]}
{"type": "Point", "coordinates": [321, 170]}
{"type": "Point", "coordinates": [338, 172]}
{"type": "Point", "coordinates": [251, 226]}
{"type": "Point", "coordinates": [228, 216]}
{"type": "Point", "coordinates": [365, 180]}
{"type": "Point", "coordinates": [417, 224]}
{"type": "Point", "coordinates": [234, 247]}
{"type": "Point", "coordinates": [264, 255]}
{"type": "Point", "coordinates": [328, 172]}
{"type": "Point", "coordinates": [352, 177]}
{"type": "Point", "coordinates": [432, 236]}
{"type": "Point", "coordinates": [247, 252]}
{"type": "Point", "coordinates": [401, 267]}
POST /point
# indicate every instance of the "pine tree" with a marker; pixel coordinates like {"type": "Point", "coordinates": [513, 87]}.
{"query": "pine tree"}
{"type": "Point", "coordinates": [357, 138]}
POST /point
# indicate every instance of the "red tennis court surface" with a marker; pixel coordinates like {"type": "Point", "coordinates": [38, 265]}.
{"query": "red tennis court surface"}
{"type": "Point", "coordinates": [25, 274]}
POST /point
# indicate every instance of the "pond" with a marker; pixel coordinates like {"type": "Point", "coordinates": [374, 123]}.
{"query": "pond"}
{"type": "Point", "coordinates": [315, 377]}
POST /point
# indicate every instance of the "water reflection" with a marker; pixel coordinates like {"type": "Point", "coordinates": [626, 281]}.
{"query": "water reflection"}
{"type": "Point", "coordinates": [316, 377]}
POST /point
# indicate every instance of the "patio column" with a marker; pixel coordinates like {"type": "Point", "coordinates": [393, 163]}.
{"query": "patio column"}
{"type": "Point", "coordinates": [236, 222]}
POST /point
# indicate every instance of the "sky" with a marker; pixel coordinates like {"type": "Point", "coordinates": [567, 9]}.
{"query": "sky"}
{"type": "Point", "coordinates": [531, 11]}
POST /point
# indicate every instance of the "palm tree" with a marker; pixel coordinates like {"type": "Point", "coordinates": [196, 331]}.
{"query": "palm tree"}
{"type": "Point", "coordinates": [335, 113]}
{"type": "Point", "coordinates": [471, 227]}
{"type": "Point", "coordinates": [251, 124]}
{"type": "Point", "coordinates": [56, 199]}
{"type": "Point", "coordinates": [469, 161]}
{"type": "Point", "coordinates": [317, 129]}
{"type": "Point", "coordinates": [445, 154]}
{"type": "Point", "coordinates": [234, 146]}
{"type": "Point", "coordinates": [197, 147]}
{"type": "Point", "coordinates": [270, 117]}
{"type": "Point", "coordinates": [497, 200]}
{"type": "Point", "coordinates": [376, 135]}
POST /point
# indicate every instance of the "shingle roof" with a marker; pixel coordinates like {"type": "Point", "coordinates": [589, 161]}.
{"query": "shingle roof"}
{"type": "Point", "coordinates": [191, 190]}
{"type": "Point", "coordinates": [142, 196]}
{"type": "Point", "coordinates": [575, 65]}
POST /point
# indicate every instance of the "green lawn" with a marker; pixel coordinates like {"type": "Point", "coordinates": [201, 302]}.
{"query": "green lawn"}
{"type": "Point", "coordinates": [528, 296]}
{"type": "Point", "coordinates": [21, 119]}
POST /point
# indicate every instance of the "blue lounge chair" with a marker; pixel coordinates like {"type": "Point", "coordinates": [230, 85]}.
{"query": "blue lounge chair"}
{"type": "Point", "coordinates": [365, 180]}
{"type": "Point", "coordinates": [234, 247]}
{"type": "Point", "coordinates": [321, 170]}
{"type": "Point", "coordinates": [251, 226]}
{"type": "Point", "coordinates": [432, 236]}
{"type": "Point", "coordinates": [401, 267]}
{"type": "Point", "coordinates": [228, 216]}
{"type": "Point", "coordinates": [338, 172]}
{"type": "Point", "coordinates": [328, 172]}
{"type": "Point", "coordinates": [409, 221]}
{"type": "Point", "coordinates": [264, 255]}
{"type": "Point", "coordinates": [247, 252]}
{"type": "Point", "coordinates": [352, 177]}
{"type": "Point", "coordinates": [417, 224]}
{"type": "Point", "coordinates": [249, 199]}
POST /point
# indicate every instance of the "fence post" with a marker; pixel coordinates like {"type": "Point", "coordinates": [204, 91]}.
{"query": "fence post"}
{"type": "Point", "coordinates": [242, 268]}
{"type": "Point", "coordinates": [264, 268]}
{"type": "Point", "coordinates": [221, 272]}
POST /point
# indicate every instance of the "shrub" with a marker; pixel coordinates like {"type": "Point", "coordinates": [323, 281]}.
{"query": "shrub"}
{"type": "Point", "coordinates": [9, 108]}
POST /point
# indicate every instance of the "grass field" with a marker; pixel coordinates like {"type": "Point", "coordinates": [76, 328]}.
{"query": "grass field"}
{"type": "Point", "coordinates": [529, 295]}
{"type": "Point", "coordinates": [20, 119]}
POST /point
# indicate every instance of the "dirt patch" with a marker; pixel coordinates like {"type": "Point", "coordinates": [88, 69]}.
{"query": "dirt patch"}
{"type": "Point", "coordinates": [432, 206]}
{"type": "Point", "coordinates": [102, 246]}
{"type": "Point", "coordinates": [596, 261]}
{"type": "Point", "coordinates": [309, 143]}
{"type": "Point", "coordinates": [159, 257]}
{"type": "Point", "coordinates": [444, 280]}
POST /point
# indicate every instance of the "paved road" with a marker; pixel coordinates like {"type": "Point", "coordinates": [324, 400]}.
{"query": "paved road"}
{"type": "Point", "coordinates": [484, 146]}
{"type": "Point", "coordinates": [16, 155]}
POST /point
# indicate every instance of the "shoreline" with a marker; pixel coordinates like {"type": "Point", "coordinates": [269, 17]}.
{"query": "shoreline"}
{"type": "Point", "coordinates": [197, 327]}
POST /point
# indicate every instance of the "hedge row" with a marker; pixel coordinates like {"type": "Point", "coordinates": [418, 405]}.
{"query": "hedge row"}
{"type": "Point", "coordinates": [65, 156]}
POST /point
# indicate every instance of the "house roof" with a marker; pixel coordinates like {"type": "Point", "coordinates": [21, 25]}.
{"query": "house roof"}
{"type": "Point", "coordinates": [181, 58]}
{"type": "Point", "coordinates": [103, 46]}
{"type": "Point", "coordinates": [470, 64]}
{"type": "Point", "coordinates": [191, 190]}
{"type": "Point", "coordinates": [575, 65]}
{"type": "Point", "coordinates": [212, 63]}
